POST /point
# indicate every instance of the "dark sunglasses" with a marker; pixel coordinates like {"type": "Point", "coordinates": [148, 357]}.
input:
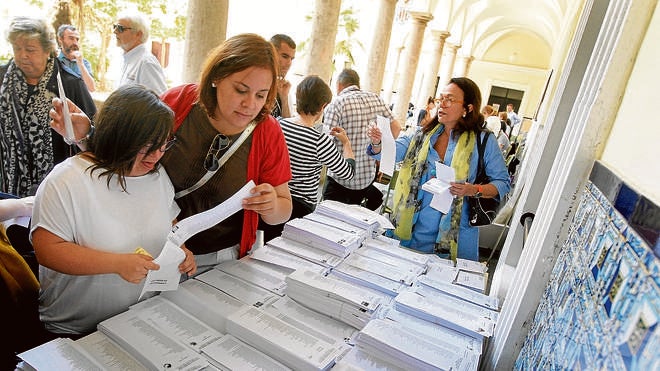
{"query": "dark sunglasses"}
{"type": "Point", "coordinates": [220, 143]}
{"type": "Point", "coordinates": [119, 28]}
{"type": "Point", "coordinates": [167, 145]}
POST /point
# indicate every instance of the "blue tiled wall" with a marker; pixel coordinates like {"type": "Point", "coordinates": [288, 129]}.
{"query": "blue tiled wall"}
{"type": "Point", "coordinates": [601, 308]}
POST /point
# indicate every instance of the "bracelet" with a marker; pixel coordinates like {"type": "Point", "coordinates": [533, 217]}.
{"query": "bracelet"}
{"type": "Point", "coordinates": [376, 144]}
{"type": "Point", "coordinates": [87, 137]}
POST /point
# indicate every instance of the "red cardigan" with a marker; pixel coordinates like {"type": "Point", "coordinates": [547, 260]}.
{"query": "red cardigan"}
{"type": "Point", "coordinates": [268, 160]}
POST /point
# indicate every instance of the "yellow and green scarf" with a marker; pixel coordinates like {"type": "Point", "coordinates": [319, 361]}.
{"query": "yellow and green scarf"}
{"type": "Point", "coordinates": [406, 200]}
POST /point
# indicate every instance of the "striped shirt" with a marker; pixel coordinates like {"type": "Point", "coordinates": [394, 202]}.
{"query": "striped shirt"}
{"type": "Point", "coordinates": [309, 150]}
{"type": "Point", "coordinates": [354, 109]}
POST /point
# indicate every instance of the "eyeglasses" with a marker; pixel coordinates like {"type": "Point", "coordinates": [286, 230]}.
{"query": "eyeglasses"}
{"type": "Point", "coordinates": [446, 101]}
{"type": "Point", "coordinates": [119, 28]}
{"type": "Point", "coordinates": [148, 148]}
{"type": "Point", "coordinates": [220, 143]}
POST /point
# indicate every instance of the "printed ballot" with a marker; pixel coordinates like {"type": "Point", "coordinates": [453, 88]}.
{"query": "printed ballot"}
{"type": "Point", "coordinates": [439, 186]}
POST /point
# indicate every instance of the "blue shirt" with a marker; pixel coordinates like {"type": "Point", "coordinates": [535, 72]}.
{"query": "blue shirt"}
{"type": "Point", "coordinates": [426, 222]}
{"type": "Point", "coordinates": [72, 67]}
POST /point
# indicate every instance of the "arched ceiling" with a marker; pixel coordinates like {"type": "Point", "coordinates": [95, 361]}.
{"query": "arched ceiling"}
{"type": "Point", "coordinates": [478, 26]}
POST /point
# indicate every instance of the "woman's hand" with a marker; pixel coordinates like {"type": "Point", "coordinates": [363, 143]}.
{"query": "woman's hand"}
{"type": "Point", "coordinates": [134, 267]}
{"type": "Point", "coordinates": [339, 133]}
{"type": "Point", "coordinates": [188, 266]}
{"type": "Point", "coordinates": [81, 123]}
{"type": "Point", "coordinates": [273, 204]}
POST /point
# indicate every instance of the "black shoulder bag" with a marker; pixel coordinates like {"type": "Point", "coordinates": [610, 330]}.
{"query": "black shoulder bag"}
{"type": "Point", "coordinates": [482, 210]}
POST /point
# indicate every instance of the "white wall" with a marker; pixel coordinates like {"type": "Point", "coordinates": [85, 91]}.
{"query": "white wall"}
{"type": "Point", "coordinates": [633, 147]}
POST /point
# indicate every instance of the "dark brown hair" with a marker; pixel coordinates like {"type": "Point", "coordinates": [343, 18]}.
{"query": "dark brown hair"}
{"type": "Point", "coordinates": [312, 94]}
{"type": "Point", "coordinates": [131, 118]}
{"type": "Point", "coordinates": [235, 55]}
{"type": "Point", "coordinates": [473, 118]}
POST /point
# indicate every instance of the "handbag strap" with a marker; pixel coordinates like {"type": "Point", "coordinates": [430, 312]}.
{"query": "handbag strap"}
{"type": "Point", "coordinates": [481, 148]}
{"type": "Point", "coordinates": [209, 174]}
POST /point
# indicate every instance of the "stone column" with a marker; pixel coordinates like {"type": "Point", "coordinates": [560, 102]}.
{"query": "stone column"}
{"type": "Point", "coordinates": [447, 68]}
{"type": "Point", "coordinates": [462, 67]}
{"type": "Point", "coordinates": [431, 75]}
{"type": "Point", "coordinates": [322, 40]}
{"type": "Point", "coordinates": [394, 76]}
{"type": "Point", "coordinates": [373, 80]}
{"type": "Point", "coordinates": [409, 68]}
{"type": "Point", "coordinates": [207, 25]}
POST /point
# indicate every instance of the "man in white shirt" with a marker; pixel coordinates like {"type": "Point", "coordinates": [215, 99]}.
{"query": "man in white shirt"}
{"type": "Point", "coordinates": [515, 119]}
{"type": "Point", "coordinates": [140, 65]}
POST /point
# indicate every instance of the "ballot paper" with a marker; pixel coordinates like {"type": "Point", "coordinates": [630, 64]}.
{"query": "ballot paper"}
{"type": "Point", "coordinates": [305, 251]}
{"type": "Point", "coordinates": [69, 136]}
{"type": "Point", "coordinates": [59, 354]}
{"type": "Point", "coordinates": [354, 214]}
{"type": "Point", "coordinates": [229, 353]}
{"type": "Point", "coordinates": [273, 255]}
{"type": "Point", "coordinates": [168, 276]}
{"type": "Point", "coordinates": [257, 273]}
{"type": "Point", "coordinates": [321, 236]}
{"type": "Point", "coordinates": [439, 186]}
{"type": "Point", "coordinates": [388, 147]}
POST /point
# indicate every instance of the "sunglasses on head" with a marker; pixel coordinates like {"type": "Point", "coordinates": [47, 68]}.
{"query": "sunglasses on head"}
{"type": "Point", "coordinates": [119, 28]}
{"type": "Point", "coordinates": [220, 143]}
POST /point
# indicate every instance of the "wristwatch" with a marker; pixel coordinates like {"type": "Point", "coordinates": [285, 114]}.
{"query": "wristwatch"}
{"type": "Point", "coordinates": [479, 190]}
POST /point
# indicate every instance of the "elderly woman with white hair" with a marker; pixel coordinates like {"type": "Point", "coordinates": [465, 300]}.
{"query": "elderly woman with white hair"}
{"type": "Point", "coordinates": [28, 147]}
{"type": "Point", "coordinates": [140, 65]}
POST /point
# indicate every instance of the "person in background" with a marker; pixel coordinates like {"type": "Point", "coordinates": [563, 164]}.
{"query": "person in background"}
{"type": "Point", "coordinates": [426, 114]}
{"type": "Point", "coordinates": [19, 290]}
{"type": "Point", "coordinates": [354, 110]}
{"type": "Point", "coordinates": [286, 52]}
{"type": "Point", "coordinates": [95, 210]}
{"type": "Point", "coordinates": [491, 121]}
{"type": "Point", "coordinates": [310, 150]}
{"type": "Point", "coordinates": [140, 65]}
{"type": "Point", "coordinates": [29, 148]}
{"type": "Point", "coordinates": [516, 121]}
{"type": "Point", "coordinates": [71, 56]}
{"type": "Point", "coordinates": [450, 139]}
{"type": "Point", "coordinates": [505, 119]}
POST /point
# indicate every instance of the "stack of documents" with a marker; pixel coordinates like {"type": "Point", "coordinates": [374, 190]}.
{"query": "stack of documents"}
{"type": "Point", "coordinates": [457, 314]}
{"type": "Point", "coordinates": [359, 360]}
{"type": "Point", "coordinates": [378, 271]}
{"type": "Point", "coordinates": [293, 347]}
{"type": "Point", "coordinates": [353, 305]}
{"type": "Point", "coordinates": [384, 245]}
{"type": "Point", "coordinates": [272, 255]}
{"type": "Point", "coordinates": [393, 342]}
{"type": "Point", "coordinates": [160, 335]}
{"type": "Point", "coordinates": [471, 274]}
{"type": "Point", "coordinates": [340, 224]}
{"type": "Point", "coordinates": [229, 353]}
{"type": "Point", "coordinates": [266, 276]}
{"type": "Point", "coordinates": [92, 352]}
{"type": "Point", "coordinates": [321, 326]}
{"type": "Point", "coordinates": [244, 291]}
{"type": "Point", "coordinates": [321, 236]}
{"type": "Point", "coordinates": [204, 302]}
{"type": "Point", "coordinates": [354, 214]}
{"type": "Point", "coordinates": [307, 252]}
{"type": "Point", "coordinates": [459, 292]}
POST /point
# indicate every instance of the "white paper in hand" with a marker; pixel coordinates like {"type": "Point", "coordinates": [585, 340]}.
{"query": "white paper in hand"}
{"type": "Point", "coordinates": [69, 137]}
{"type": "Point", "coordinates": [388, 149]}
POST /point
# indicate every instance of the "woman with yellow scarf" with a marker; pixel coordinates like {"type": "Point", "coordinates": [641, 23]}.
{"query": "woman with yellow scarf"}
{"type": "Point", "coordinates": [451, 139]}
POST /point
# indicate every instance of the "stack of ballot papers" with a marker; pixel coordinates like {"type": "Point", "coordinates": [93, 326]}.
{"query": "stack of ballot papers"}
{"type": "Point", "coordinates": [160, 335]}
{"type": "Point", "coordinates": [267, 276]}
{"type": "Point", "coordinates": [354, 214]}
{"type": "Point", "coordinates": [472, 274]}
{"type": "Point", "coordinates": [306, 252]}
{"type": "Point", "coordinates": [459, 292]}
{"type": "Point", "coordinates": [379, 271]}
{"type": "Point", "coordinates": [359, 360]}
{"type": "Point", "coordinates": [340, 224]}
{"type": "Point", "coordinates": [246, 292]}
{"type": "Point", "coordinates": [289, 345]}
{"type": "Point", "coordinates": [384, 245]}
{"type": "Point", "coordinates": [230, 353]}
{"type": "Point", "coordinates": [321, 326]}
{"type": "Point", "coordinates": [447, 310]}
{"type": "Point", "coordinates": [321, 236]}
{"type": "Point", "coordinates": [351, 304]}
{"type": "Point", "coordinates": [272, 255]}
{"type": "Point", "coordinates": [396, 344]}
{"type": "Point", "coordinates": [92, 352]}
{"type": "Point", "coordinates": [204, 302]}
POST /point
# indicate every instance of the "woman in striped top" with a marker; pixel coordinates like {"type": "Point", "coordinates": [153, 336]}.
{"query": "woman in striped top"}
{"type": "Point", "coordinates": [310, 150]}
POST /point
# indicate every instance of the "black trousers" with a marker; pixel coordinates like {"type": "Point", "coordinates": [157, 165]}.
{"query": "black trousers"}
{"type": "Point", "coordinates": [370, 197]}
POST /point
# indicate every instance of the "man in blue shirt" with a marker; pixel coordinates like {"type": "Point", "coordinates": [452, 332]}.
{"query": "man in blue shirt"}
{"type": "Point", "coordinates": [71, 56]}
